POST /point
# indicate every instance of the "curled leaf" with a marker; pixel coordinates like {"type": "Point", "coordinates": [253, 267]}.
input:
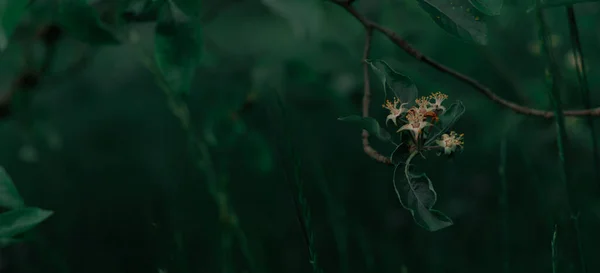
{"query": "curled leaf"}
{"type": "Point", "coordinates": [400, 85]}
{"type": "Point", "coordinates": [457, 18]}
{"type": "Point", "coordinates": [416, 194]}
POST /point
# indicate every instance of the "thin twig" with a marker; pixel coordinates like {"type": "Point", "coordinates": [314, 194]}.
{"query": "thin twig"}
{"type": "Point", "coordinates": [367, 100]}
{"type": "Point", "coordinates": [403, 44]}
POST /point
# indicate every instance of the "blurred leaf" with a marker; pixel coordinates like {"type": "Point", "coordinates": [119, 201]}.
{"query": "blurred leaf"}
{"type": "Point", "coordinates": [488, 7]}
{"type": "Point", "coordinates": [21, 220]}
{"type": "Point", "coordinates": [9, 196]}
{"type": "Point", "coordinates": [11, 12]}
{"type": "Point", "coordinates": [447, 120]}
{"type": "Point", "coordinates": [402, 86]}
{"type": "Point", "coordinates": [305, 16]}
{"type": "Point", "coordinates": [417, 195]}
{"type": "Point", "coordinates": [369, 124]}
{"type": "Point", "coordinates": [177, 48]}
{"type": "Point", "coordinates": [456, 18]}
{"type": "Point", "coordinates": [4, 242]}
{"type": "Point", "coordinates": [82, 22]}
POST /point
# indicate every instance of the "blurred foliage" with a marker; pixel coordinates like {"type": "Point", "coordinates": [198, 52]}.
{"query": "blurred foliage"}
{"type": "Point", "coordinates": [154, 132]}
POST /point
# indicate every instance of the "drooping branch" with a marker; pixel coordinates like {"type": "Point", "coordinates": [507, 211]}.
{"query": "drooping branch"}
{"type": "Point", "coordinates": [367, 99]}
{"type": "Point", "coordinates": [403, 44]}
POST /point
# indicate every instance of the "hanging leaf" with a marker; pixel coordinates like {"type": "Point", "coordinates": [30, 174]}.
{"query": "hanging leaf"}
{"type": "Point", "coordinates": [17, 221]}
{"type": "Point", "coordinates": [371, 125]}
{"type": "Point", "coordinates": [81, 21]}
{"type": "Point", "coordinates": [447, 120]}
{"type": "Point", "coordinates": [9, 196]}
{"type": "Point", "coordinates": [457, 18]}
{"type": "Point", "coordinates": [416, 194]}
{"type": "Point", "coordinates": [11, 12]}
{"type": "Point", "coordinates": [400, 85]}
{"type": "Point", "coordinates": [488, 7]}
{"type": "Point", "coordinates": [402, 151]}
{"type": "Point", "coordinates": [177, 48]}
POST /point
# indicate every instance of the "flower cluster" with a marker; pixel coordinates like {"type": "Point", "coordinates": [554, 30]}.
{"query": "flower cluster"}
{"type": "Point", "coordinates": [424, 114]}
{"type": "Point", "coordinates": [450, 142]}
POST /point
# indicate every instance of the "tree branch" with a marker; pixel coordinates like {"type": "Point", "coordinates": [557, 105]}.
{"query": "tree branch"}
{"type": "Point", "coordinates": [403, 44]}
{"type": "Point", "coordinates": [367, 99]}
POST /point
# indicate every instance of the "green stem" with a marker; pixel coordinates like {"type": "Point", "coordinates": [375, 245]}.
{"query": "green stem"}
{"type": "Point", "coordinates": [583, 83]}
{"type": "Point", "coordinates": [553, 245]}
{"type": "Point", "coordinates": [554, 94]}
{"type": "Point", "coordinates": [504, 206]}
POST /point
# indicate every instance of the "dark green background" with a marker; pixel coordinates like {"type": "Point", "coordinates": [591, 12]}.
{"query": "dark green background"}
{"type": "Point", "coordinates": [99, 146]}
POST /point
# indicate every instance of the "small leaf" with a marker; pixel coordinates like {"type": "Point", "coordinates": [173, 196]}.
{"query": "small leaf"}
{"type": "Point", "coordinates": [455, 17]}
{"type": "Point", "coordinates": [82, 22]}
{"type": "Point", "coordinates": [402, 151]}
{"type": "Point", "coordinates": [9, 196]}
{"type": "Point", "coordinates": [416, 194]}
{"type": "Point", "coordinates": [447, 120]}
{"type": "Point", "coordinates": [11, 12]}
{"type": "Point", "coordinates": [4, 242]}
{"type": "Point", "coordinates": [371, 125]}
{"type": "Point", "coordinates": [177, 49]}
{"type": "Point", "coordinates": [401, 85]}
{"type": "Point", "coordinates": [488, 7]}
{"type": "Point", "coordinates": [17, 221]}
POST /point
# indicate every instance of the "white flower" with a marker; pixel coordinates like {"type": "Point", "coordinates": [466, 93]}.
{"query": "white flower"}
{"type": "Point", "coordinates": [395, 111]}
{"type": "Point", "coordinates": [437, 104]}
{"type": "Point", "coordinates": [450, 142]}
{"type": "Point", "coordinates": [416, 122]}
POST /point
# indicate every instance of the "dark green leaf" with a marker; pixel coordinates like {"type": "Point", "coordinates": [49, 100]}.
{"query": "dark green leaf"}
{"type": "Point", "coordinates": [9, 196]}
{"type": "Point", "coordinates": [447, 120]}
{"type": "Point", "coordinates": [82, 22]}
{"type": "Point", "coordinates": [417, 195]}
{"type": "Point", "coordinates": [21, 220]}
{"type": "Point", "coordinates": [488, 7]}
{"type": "Point", "coordinates": [402, 151]}
{"type": "Point", "coordinates": [402, 86]}
{"type": "Point", "coordinates": [457, 18]}
{"type": "Point", "coordinates": [10, 16]}
{"type": "Point", "coordinates": [371, 125]}
{"type": "Point", "coordinates": [177, 49]}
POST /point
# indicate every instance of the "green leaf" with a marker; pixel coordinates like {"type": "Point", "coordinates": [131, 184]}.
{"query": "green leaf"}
{"type": "Point", "coordinates": [416, 194]}
{"type": "Point", "coordinates": [177, 49]}
{"type": "Point", "coordinates": [371, 125]}
{"type": "Point", "coordinates": [81, 21]}
{"type": "Point", "coordinates": [457, 18]}
{"type": "Point", "coordinates": [488, 7]}
{"type": "Point", "coordinates": [400, 85]}
{"type": "Point", "coordinates": [9, 196]}
{"type": "Point", "coordinates": [17, 221]}
{"type": "Point", "coordinates": [305, 16]}
{"type": "Point", "coordinates": [4, 242]}
{"type": "Point", "coordinates": [11, 12]}
{"type": "Point", "coordinates": [447, 120]}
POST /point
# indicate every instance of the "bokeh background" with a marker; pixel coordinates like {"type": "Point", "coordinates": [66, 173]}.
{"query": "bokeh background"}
{"type": "Point", "coordinates": [96, 142]}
